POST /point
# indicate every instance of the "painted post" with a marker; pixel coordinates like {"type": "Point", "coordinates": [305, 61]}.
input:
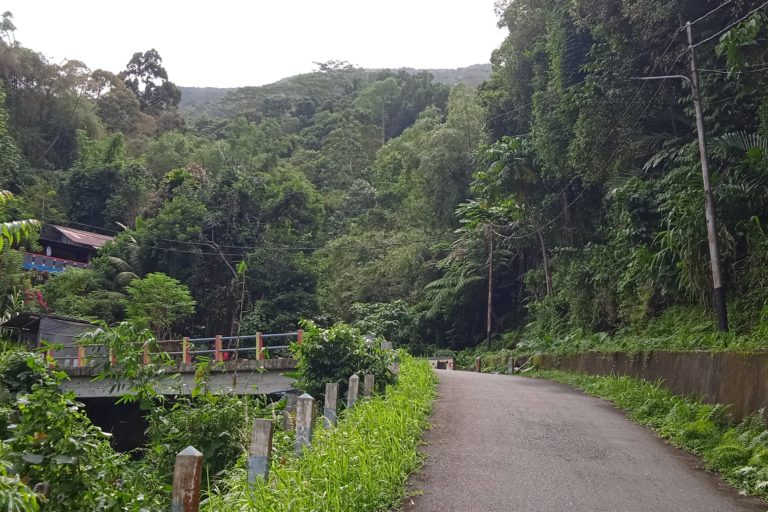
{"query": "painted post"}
{"type": "Point", "coordinates": [289, 412]}
{"type": "Point", "coordinates": [218, 355]}
{"type": "Point", "coordinates": [145, 356]}
{"type": "Point", "coordinates": [259, 346]}
{"type": "Point", "coordinates": [260, 450]}
{"type": "Point", "coordinates": [353, 391]}
{"type": "Point", "coordinates": [368, 385]}
{"type": "Point", "coordinates": [186, 357]}
{"type": "Point", "coordinates": [299, 337]}
{"type": "Point", "coordinates": [305, 419]}
{"type": "Point", "coordinates": [80, 356]}
{"type": "Point", "coordinates": [331, 401]}
{"type": "Point", "coordinates": [478, 365]}
{"type": "Point", "coordinates": [186, 481]}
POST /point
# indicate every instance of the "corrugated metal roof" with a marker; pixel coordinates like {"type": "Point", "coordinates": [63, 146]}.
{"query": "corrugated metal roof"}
{"type": "Point", "coordinates": [86, 238]}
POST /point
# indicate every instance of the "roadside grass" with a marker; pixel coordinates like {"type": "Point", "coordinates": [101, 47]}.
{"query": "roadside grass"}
{"type": "Point", "coordinates": [739, 452]}
{"type": "Point", "coordinates": [362, 464]}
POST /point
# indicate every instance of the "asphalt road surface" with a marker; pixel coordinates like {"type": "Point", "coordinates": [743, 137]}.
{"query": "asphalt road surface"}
{"type": "Point", "coordinates": [503, 443]}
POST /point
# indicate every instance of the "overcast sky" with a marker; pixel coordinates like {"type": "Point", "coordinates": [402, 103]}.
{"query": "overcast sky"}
{"type": "Point", "coordinates": [228, 43]}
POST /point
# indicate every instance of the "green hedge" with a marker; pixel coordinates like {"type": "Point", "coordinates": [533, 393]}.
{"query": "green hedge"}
{"type": "Point", "coordinates": [362, 464]}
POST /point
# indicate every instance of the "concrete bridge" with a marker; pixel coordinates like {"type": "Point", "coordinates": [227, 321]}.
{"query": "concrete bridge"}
{"type": "Point", "coordinates": [244, 365]}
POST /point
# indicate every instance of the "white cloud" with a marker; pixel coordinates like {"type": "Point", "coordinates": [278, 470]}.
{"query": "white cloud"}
{"type": "Point", "coordinates": [238, 42]}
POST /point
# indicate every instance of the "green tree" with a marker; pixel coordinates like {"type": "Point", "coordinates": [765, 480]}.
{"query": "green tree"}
{"type": "Point", "coordinates": [159, 301]}
{"type": "Point", "coordinates": [148, 79]}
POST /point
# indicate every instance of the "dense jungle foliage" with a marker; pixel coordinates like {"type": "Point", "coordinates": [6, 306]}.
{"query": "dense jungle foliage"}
{"type": "Point", "coordinates": [374, 197]}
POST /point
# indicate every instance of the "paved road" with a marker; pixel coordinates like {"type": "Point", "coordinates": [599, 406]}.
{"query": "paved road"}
{"type": "Point", "coordinates": [502, 443]}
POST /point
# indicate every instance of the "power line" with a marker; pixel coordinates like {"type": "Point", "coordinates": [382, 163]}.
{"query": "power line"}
{"type": "Point", "coordinates": [709, 13]}
{"type": "Point", "coordinates": [648, 103]}
{"type": "Point", "coordinates": [729, 72]}
{"type": "Point", "coordinates": [274, 247]}
{"type": "Point", "coordinates": [750, 13]}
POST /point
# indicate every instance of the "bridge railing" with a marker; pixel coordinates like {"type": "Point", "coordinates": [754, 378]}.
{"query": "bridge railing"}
{"type": "Point", "coordinates": [185, 350]}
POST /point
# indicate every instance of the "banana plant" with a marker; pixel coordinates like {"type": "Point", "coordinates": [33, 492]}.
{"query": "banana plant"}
{"type": "Point", "coordinates": [14, 232]}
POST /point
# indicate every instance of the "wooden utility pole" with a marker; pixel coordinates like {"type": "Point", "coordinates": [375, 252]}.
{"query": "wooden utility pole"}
{"type": "Point", "coordinates": [718, 291]}
{"type": "Point", "coordinates": [490, 289]}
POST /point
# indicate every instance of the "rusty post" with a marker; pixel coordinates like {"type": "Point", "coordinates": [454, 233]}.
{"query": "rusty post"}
{"type": "Point", "coordinates": [260, 450]}
{"type": "Point", "coordinates": [52, 361]}
{"type": "Point", "coordinates": [478, 364]}
{"type": "Point", "coordinates": [80, 356]}
{"type": "Point", "coordinates": [299, 336]}
{"type": "Point", "coordinates": [217, 345]}
{"type": "Point", "coordinates": [186, 357]}
{"type": "Point", "coordinates": [368, 385]}
{"type": "Point", "coordinates": [186, 481]}
{"type": "Point", "coordinates": [259, 347]}
{"type": "Point", "coordinates": [146, 353]}
{"type": "Point", "coordinates": [112, 358]}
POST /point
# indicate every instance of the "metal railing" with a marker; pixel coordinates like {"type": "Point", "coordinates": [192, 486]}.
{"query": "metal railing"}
{"type": "Point", "coordinates": [186, 350]}
{"type": "Point", "coordinates": [43, 263]}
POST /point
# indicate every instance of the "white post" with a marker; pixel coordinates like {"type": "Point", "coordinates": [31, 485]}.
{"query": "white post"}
{"type": "Point", "coordinates": [305, 419]}
{"type": "Point", "coordinates": [353, 391]}
{"type": "Point", "coordinates": [368, 385]}
{"type": "Point", "coordinates": [331, 399]}
{"type": "Point", "coordinates": [260, 450]}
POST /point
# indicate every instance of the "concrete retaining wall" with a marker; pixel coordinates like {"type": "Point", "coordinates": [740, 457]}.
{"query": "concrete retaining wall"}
{"type": "Point", "coordinates": [730, 378]}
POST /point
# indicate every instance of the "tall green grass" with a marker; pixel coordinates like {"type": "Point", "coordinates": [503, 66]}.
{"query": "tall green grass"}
{"type": "Point", "coordinates": [739, 452]}
{"type": "Point", "coordinates": [361, 465]}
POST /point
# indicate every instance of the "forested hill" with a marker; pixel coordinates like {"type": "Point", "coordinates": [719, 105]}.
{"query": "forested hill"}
{"type": "Point", "coordinates": [214, 101]}
{"type": "Point", "coordinates": [383, 198]}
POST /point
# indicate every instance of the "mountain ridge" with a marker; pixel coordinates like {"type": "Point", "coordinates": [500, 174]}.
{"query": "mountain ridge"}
{"type": "Point", "coordinates": [197, 101]}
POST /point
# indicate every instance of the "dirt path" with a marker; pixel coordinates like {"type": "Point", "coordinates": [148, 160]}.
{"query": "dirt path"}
{"type": "Point", "coordinates": [502, 443]}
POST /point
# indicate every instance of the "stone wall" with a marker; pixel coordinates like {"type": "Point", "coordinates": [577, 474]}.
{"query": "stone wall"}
{"type": "Point", "coordinates": [739, 380]}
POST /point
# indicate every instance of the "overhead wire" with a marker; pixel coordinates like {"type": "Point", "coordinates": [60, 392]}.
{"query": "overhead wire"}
{"type": "Point", "coordinates": [731, 25]}
{"type": "Point", "coordinates": [648, 103]}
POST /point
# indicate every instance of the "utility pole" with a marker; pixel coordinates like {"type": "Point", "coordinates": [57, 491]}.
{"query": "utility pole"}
{"type": "Point", "coordinates": [490, 289]}
{"type": "Point", "coordinates": [718, 291]}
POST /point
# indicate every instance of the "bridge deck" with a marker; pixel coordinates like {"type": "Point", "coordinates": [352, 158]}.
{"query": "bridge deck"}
{"type": "Point", "coordinates": [252, 378]}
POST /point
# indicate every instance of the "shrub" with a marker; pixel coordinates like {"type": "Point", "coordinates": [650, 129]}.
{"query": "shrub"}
{"type": "Point", "coordinates": [335, 354]}
{"type": "Point", "coordinates": [361, 465]}
{"type": "Point", "coordinates": [214, 424]}
{"type": "Point", "coordinates": [20, 371]}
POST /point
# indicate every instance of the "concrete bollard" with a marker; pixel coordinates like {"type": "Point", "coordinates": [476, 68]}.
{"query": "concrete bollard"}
{"type": "Point", "coordinates": [478, 364]}
{"type": "Point", "coordinates": [305, 420]}
{"type": "Point", "coordinates": [289, 413]}
{"type": "Point", "coordinates": [186, 481]}
{"type": "Point", "coordinates": [331, 400]}
{"type": "Point", "coordinates": [260, 450]}
{"type": "Point", "coordinates": [353, 391]}
{"type": "Point", "coordinates": [368, 385]}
